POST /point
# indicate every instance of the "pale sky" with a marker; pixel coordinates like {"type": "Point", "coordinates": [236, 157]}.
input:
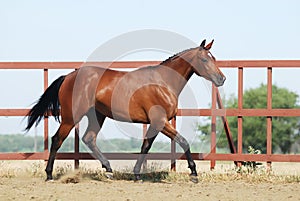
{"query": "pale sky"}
{"type": "Point", "coordinates": [71, 30]}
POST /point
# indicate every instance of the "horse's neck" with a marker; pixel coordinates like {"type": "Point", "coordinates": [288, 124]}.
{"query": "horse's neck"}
{"type": "Point", "coordinates": [176, 73]}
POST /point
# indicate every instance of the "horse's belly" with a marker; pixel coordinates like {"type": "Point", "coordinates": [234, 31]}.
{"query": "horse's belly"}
{"type": "Point", "coordinates": [122, 112]}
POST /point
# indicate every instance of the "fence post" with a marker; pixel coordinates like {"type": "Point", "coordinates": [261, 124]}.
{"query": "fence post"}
{"type": "Point", "coordinates": [240, 107]}
{"type": "Point", "coordinates": [269, 118]}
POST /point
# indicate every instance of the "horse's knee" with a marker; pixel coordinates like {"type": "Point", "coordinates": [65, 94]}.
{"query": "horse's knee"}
{"type": "Point", "coordinates": [87, 139]}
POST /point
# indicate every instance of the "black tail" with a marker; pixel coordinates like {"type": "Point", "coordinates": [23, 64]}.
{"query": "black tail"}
{"type": "Point", "coordinates": [47, 102]}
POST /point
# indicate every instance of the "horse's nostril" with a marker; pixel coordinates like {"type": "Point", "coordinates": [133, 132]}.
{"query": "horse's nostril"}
{"type": "Point", "coordinates": [221, 80]}
{"type": "Point", "coordinates": [224, 78]}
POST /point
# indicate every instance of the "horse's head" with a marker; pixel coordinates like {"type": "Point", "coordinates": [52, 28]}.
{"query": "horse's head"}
{"type": "Point", "coordinates": [204, 64]}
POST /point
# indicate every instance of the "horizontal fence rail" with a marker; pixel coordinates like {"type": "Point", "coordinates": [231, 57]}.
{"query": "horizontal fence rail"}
{"type": "Point", "coordinates": [215, 110]}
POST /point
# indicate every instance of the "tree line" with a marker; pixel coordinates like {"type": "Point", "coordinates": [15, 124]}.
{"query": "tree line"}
{"type": "Point", "coordinates": [285, 130]}
{"type": "Point", "coordinates": [26, 143]}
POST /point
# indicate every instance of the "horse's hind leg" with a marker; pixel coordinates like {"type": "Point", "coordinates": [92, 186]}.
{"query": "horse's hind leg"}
{"type": "Point", "coordinates": [57, 140]}
{"type": "Point", "coordinates": [147, 143]}
{"type": "Point", "coordinates": [96, 121]}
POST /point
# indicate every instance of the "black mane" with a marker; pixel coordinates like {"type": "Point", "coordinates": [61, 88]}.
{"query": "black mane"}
{"type": "Point", "coordinates": [177, 55]}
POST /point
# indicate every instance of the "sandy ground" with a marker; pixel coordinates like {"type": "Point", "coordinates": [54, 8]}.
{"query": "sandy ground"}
{"type": "Point", "coordinates": [37, 189]}
{"type": "Point", "coordinates": [25, 187]}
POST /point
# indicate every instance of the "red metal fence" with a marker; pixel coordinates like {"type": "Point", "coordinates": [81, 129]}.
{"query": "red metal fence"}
{"type": "Point", "coordinates": [216, 110]}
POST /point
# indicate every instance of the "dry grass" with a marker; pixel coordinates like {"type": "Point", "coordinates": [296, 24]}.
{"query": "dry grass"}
{"type": "Point", "coordinates": [154, 173]}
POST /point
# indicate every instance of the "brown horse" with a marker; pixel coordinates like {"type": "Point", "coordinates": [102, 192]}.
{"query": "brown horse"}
{"type": "Point", "coordinates": [147, 95]}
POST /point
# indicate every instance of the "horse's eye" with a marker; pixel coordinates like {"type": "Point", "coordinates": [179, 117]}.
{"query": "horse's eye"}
{"type": "Point", "coordinates": [204, 60]}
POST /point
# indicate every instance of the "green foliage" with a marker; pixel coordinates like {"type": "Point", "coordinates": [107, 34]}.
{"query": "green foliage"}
{"type": "Point", "coordinates": [285, 130]}
{"type": "Point", "coordinates": [19, 143]}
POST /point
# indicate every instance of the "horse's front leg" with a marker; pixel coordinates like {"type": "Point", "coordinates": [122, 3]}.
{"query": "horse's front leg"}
{"type": "Point", "coordinates": [174, 135]}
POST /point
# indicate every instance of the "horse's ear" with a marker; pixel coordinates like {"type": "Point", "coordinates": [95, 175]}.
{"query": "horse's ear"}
{"type": "Point", "coordinates": [208, 46]}
{"type": "Point", "coordinates": [202, 44]}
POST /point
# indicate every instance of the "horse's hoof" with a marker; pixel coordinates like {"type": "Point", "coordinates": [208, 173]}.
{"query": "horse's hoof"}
{"type": "Point", "coordinates": [138, 181]}
{"type": "Point", "coordinates": [49, 180]}
{"type": "Point", "coordinates": [194, 179]}
{"type": "Point", "coordinates": [109, 175]}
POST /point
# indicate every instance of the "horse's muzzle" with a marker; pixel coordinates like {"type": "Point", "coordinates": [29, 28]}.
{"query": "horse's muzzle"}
{"type": "Point", "coordinates": [219, 80]}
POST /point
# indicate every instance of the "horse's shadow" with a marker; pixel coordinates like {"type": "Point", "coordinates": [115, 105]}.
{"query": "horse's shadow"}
{"type": "Point", "coordinates": [159, 176]}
